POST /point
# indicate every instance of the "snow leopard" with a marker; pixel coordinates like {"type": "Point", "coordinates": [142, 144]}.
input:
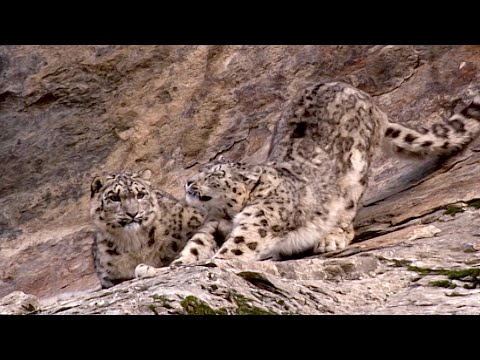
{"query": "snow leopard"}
{"type": "Point", "coordinates": [136, 224]}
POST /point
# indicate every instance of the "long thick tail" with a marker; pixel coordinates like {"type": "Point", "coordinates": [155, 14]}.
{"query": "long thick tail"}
{"type": "Point", "coordinates": [440, 139]}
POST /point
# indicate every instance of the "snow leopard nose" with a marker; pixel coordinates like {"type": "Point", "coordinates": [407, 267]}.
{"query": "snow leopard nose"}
{"type": "Point", "coordinates": [132, 215]}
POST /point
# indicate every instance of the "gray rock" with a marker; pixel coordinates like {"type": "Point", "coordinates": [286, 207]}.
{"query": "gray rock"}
{"type": "Point", "coordinates": [17, 302]}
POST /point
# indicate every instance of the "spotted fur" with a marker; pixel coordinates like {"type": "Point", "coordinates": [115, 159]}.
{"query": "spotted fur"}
{"type": "Point", "coordinates": [136, 224]}
{"type": "Point", "coordinates": [304, 198]}
{"type": "Point", "coordinates": [441, 138]}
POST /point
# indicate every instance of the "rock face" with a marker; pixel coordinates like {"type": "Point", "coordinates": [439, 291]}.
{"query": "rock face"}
{"type": "Point", "coordinates": [68, 113]}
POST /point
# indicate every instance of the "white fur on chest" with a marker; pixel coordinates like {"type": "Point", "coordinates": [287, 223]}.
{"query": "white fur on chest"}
{"type": "Point", "coordinates": [131, 239]}
{"type": "Point", "coordinates": [132, 247]}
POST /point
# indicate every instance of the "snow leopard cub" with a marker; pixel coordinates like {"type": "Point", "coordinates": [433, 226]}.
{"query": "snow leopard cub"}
{"type": "Point", "coordinates": [304, 198]}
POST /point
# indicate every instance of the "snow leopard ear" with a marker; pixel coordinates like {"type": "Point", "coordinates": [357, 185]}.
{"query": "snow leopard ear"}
{"type": "Point", "coordinates": [218, 161]}
{"type": "Point", "coordinates": [212, 165]}
{"type": "Point", "coordinates": [222, 160]}
{"type": "Point", "coordinates": [251, 175]}
{"type": "Point", "coordinates": [145, 174]}
{"type": "Point", "coordinates": [96, 185]}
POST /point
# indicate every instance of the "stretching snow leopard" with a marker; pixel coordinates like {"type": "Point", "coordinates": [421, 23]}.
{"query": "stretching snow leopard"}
{"type": "Point", "coordinates": [304, 198]}
{"type": "Point", "coordinates": [136, 224]}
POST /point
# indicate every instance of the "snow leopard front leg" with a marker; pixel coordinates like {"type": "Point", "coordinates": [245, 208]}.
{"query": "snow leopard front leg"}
{"type": "Point", "coordinates": [107, 259]}
{"type": "Point", "coordinates": [254, 229]}
{"type": "Point", "coordinates": [204, 243]}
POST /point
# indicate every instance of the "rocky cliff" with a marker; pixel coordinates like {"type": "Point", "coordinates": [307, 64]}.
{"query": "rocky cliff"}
{"type": "Point", "coordinates": [68, 113]}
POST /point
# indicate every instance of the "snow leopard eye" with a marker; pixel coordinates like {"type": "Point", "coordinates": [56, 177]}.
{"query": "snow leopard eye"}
{"type": "Point", "coordinates": [219, 173]}
{"type": "Point", "coordinates": [140, 195]}
{"type": "Point", "coordinates": [114, 197]}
